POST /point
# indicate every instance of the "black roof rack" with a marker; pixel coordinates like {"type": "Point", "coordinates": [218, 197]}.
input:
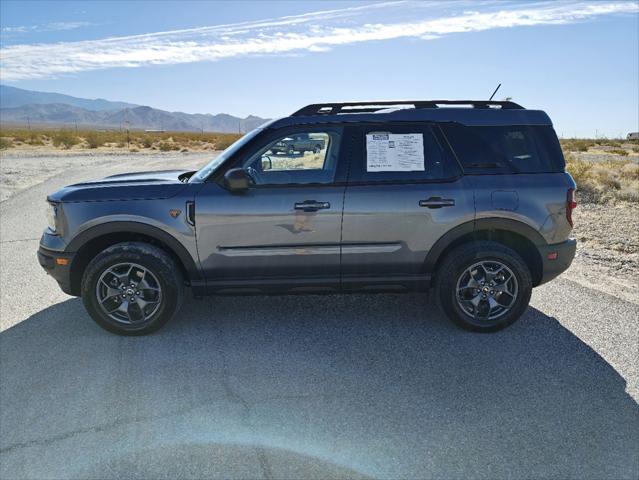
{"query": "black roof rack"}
{"type": "Point", "coordinates": [370, 107]}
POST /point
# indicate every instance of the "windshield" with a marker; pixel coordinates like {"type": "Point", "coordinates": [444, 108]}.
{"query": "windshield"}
{"type": "Point", "coordinates": [210, 167]}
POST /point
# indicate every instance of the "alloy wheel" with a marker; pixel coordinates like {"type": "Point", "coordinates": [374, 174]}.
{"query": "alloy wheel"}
{"type": "Point", "coordinates": [487, 290]}
{"type": "Point", "coordinates": [129, 293]}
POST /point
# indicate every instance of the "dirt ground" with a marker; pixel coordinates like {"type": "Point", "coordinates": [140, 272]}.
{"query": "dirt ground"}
{"type": "Point", "coordinates": [607, 248]}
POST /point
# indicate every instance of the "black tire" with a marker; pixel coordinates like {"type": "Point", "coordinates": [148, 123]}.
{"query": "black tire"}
{"type": "Point", "coordinates": [317, 149]}
{"type": "Point", "coordinates": [465, 256]}
{"type": "Point", "coordinates": [165, 272]}
{"type": "Point", "coordinates": [291, 152]}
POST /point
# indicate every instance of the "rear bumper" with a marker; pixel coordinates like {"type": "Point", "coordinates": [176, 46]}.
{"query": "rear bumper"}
{"type": "Point", "coordinates": [565, 252]}
{"type": "Point", "coordinates": [54, 264]}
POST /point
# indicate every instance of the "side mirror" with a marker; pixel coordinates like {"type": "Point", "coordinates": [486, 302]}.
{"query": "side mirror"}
{"type": "Point", "coordinates": [236, 180]}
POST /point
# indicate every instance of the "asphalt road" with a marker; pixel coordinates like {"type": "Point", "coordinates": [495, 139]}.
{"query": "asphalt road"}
{"type": "Point", "coordinates": [309, 386]}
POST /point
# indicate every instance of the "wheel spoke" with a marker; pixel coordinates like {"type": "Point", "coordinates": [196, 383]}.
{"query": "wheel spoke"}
{"type": "Point", "coordinates": [110, 293]}
{"type": "Point", "coordinates": [124, 309]}
{"type": "Point", "coordinates": [144, 285]}
{"type": "Point", "coordinates": [507, 301]}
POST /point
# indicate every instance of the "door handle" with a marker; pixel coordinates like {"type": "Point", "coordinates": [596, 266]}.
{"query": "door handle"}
{"type": "Point", "coordinates": [312, 206]}
{"type": "Point", "coordinates": [437, 202]}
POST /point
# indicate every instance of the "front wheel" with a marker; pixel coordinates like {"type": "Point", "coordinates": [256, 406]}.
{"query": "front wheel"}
{"type": "Point", "coordinates": [483, 286]}
{"type": "Point", "coordinates": [132, 288]}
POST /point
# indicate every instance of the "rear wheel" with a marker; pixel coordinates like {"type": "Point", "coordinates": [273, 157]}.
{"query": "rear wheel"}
{"type": "Point", "coordinates": [483, 286]}
{"type": "Point", "coordinates": [132, 288]}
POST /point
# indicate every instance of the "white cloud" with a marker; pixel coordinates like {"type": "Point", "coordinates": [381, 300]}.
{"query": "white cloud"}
{"type": "Point", "coordinates": [291, 35]}
{"type": "Point", "coordinates": [47, 27]}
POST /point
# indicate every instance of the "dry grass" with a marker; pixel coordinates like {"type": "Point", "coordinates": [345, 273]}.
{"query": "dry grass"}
{"type": "Point", "coordinates": [114, 139]}
{"type": "Point", "coordinates": [609, 181]}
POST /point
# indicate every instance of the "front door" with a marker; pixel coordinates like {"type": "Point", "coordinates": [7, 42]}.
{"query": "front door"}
{"type": "Point", "coordinates": [284, 231]}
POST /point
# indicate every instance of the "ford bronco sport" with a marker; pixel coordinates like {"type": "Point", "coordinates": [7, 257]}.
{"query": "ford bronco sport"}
{"type": "Point", "coordinates": [400, 196]}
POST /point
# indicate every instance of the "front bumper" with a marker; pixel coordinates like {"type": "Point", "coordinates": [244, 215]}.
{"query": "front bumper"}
{"type": "Point", "coordinates": [563, 252]}
{"type": "Point", "coordinates": [58, 265]}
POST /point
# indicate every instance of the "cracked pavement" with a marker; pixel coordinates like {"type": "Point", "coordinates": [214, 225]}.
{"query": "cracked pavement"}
{"type": "Point", "coordinates": [310, 386]}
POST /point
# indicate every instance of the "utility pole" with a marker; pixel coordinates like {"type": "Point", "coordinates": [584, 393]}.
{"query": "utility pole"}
{"type": "Point", "coordinates": [128, 139]}
{"type": "Point", "coordinates": [76, 127]}
{"type": "Point", "coordinates": [29, 123]}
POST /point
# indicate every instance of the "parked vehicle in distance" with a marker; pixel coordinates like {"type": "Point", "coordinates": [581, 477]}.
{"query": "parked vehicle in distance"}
{"type": "Point", "coordinates": [300, 143]}
{"type": "Point", "coordinates": [633, 136]}
{"type": "Point", "coordinates": [401, 196]}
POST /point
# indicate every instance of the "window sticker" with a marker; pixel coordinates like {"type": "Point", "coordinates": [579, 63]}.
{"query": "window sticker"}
{"type": "Point", "coordinates": [394, 152]}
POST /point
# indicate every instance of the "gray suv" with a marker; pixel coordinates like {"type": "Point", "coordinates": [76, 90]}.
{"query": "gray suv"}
{"type": "Point", "coordinates": [474, 202]}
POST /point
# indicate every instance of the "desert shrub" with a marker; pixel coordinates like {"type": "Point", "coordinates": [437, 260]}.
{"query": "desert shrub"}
{"type": "Point", "coordinates": [630, 171]}
{"type": "Point", "coordinates": [168, 146]}
{"type": "Point", "coordinates": [65, 139]}
{"type": "Point", "coordinates": [5, 143]}
{"type": "Point", "coordinates": [20, 135]}
{"type": "Point", "coordinates": [35, 139]}
{"type": "Point", "coordinates": [577, 145]}
{"type": "Point", "coordinates": [604, 142]}
{"type": "Point", "coordinates": [619, 151]}
{"type": "Point", "coordinates": [579, 169]}
{"type": "Point", "coordinates": [134, 150]}
{"type": "Point", "coordinates": [147, 142]}
{"type": "Point", "coordinates": [605, 177]}
{"type": "Point", "coordinates": [94, 140]}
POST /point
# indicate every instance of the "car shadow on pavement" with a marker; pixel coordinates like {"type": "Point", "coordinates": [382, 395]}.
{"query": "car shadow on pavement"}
{"type": "Point", "coordinates": [310, 386]}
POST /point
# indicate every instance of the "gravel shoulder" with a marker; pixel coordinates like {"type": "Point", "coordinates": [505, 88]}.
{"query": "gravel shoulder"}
{"type": "Point", "coordinates": [20, 170]}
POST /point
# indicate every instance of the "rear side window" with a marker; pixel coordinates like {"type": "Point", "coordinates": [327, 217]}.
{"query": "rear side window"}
{"type": "Point", "coordinates": [400, 153]}
{"type": "Point", "coordinates": [514, 148]}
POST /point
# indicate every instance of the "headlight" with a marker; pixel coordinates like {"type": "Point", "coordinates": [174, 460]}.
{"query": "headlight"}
{"type": "Point", "coordinates": [52, 216]}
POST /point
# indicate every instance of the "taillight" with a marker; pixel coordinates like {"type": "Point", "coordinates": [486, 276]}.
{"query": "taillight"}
{"type": "Point", "coordinates": [571, 204]}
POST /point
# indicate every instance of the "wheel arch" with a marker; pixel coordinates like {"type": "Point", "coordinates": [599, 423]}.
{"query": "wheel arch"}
{"type": "Point", "coordinates": [514, 234]}
{"type": "Point", "coordinates": [94, 240]}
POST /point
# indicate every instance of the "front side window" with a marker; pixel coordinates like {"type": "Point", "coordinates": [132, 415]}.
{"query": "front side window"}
{"type": "Point", "coordinates": [304, 157]}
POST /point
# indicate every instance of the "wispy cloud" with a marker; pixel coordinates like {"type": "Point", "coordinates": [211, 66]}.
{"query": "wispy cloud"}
{"type": "Point", "coordinates": [46, 27]}
{"type": "Point", "coordinates": [311, 32]}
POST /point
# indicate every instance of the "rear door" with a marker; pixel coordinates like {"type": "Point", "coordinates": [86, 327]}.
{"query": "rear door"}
{"type": "Point", "coordinates": [285, 230]}
{"type": "Point", "coordinates": [404, 192]}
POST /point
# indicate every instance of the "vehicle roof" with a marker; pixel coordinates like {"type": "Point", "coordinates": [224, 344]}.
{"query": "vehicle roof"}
{"type": "Point", "coordinates": [480, 113]}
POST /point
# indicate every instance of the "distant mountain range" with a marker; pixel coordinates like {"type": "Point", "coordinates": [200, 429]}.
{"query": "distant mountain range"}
{"type": "Point", "coordinates": [18, 106]}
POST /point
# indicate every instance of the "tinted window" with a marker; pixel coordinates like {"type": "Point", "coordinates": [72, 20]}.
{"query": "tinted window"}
{"type": "Point", "coordinates": [515, 148]}
{"type": "Point", "coordinates": [404, 153]}
{"type": "Point", "coordinates": [295, 158]}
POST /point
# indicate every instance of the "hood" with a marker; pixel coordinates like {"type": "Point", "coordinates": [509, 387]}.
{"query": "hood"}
{"type": "Point", "coordinates": [127, 186]}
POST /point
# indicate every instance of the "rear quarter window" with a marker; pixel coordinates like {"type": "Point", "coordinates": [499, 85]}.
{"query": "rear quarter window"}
{"type": "Point", "coordinates": [506, 149]}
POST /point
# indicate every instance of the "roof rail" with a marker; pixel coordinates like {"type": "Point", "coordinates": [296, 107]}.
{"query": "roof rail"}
{"type": "Point", "coordinates": [370, 107]}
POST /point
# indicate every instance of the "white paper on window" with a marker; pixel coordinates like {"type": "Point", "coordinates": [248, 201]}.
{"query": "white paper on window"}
{"type": "Point", "coordinates": [394, 152]}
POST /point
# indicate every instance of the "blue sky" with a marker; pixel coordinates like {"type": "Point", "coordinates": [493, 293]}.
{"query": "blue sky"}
{"type": "Point", "coordinates": [577, 60]}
